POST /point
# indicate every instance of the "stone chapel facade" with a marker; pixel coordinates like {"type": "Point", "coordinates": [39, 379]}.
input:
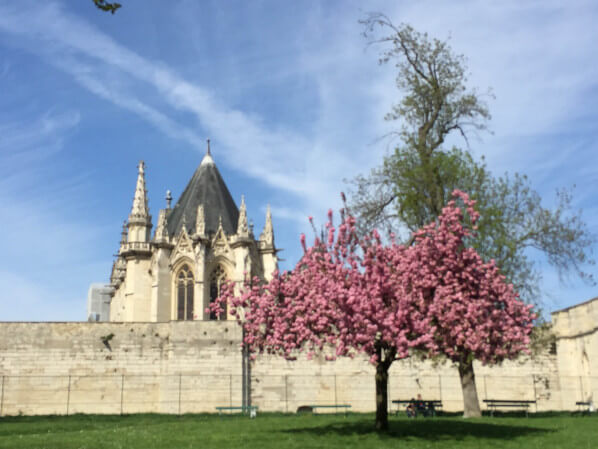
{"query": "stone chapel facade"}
{"type": "Point", "coordinates": [203, 241]}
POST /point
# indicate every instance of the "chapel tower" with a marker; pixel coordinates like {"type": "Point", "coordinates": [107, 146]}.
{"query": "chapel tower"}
{"type": "Point", "coordinates": [201, 242]}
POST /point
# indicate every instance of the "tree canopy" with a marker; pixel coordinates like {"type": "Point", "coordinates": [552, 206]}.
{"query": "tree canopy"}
{"type": "Point", "coordinates": [413, 183]}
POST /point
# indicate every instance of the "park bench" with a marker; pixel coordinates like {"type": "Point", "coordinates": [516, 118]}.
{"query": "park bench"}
{"type": "Point", "coordinates": [435, 402]}
{"type": "Point", "coordinates": [345, 407]}
{"type": "Point", "coordinates": [251, 409]}
{"type": "Point", "coordinates": [584, 407]}
{"type": "Point", "coordinates": [493, 404]}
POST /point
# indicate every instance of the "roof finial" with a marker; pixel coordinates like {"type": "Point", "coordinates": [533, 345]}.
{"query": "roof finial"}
{"type": "Point", "coordinates": [168, 199]}
{"type": "Point", "coordinates": [209, 152]}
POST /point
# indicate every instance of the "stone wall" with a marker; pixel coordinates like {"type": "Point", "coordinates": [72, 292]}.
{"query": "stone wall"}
{"type": "Point", "coordinates": [577, 336]}
{"type": "Point", "coordinates": [194, 366]}
{"type": "Point", "coordinates": [96, 367]}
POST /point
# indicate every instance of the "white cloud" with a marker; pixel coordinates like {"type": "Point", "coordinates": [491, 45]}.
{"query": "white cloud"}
{"type": "Point", "coordinates": [539, 58]}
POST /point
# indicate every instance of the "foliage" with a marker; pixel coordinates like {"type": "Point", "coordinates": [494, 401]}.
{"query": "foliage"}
{"type": "Point", "coordinates": [542, 340]}
{"type": "Point", "coordinates": [412, 185]}
{"type": "Point", "coordinates": [107, 6]}
{"type": "Point", "coordinates": [360, 295]}
{"type": "Point", "coordinates": [398, 191]}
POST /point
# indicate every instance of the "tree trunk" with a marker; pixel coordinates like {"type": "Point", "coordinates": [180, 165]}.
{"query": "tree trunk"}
{"type": "Point", "coordinates": [381, 396]}
{"type": "Point", "coordinates": [471, 405]}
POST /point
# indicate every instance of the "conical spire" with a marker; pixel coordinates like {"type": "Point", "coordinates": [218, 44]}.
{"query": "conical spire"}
{"type": "Point", "coordinates": [267, 235]}
{"type": "Point", "coordinates": [242, 227]}
{"type": "Point", "coordinates": [207, 188]}
{"type": "Point", "coordinates": [140, 210]}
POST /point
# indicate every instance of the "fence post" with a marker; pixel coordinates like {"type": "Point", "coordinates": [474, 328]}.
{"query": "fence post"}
{"type": "Point", "coordinates": [230, 390]}
{"type": "Point", "coordinates": [180, 382]}
{"type": "Point", "coordinates": [440, 387]}
{"type": "Point", "coordinates": [335, 401]}
{"type": "Point", "coordinates": [122, 392]}
{"type": "Point", "coordinates": [388, 395]}
{"type": "Point", "coordinates": [535, 393]}
{"type": "Point", "coordinates": [485, 388]}
{"type": "Point", "coordinates": [286, 393]}
{"type": "Point", "coordinates": [581, 389]}
{"type": "Point", "coordinates": [2, 397]}
{"type": "Point", "coordinates": [68, 396]}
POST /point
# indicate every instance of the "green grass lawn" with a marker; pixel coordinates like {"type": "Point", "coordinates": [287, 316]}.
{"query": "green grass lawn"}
{"type": "Point", "coordinates": [543, 431]}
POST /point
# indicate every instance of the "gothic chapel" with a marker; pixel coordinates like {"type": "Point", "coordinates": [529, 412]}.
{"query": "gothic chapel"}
{"type": "Point", "coordinates": [198, 244]}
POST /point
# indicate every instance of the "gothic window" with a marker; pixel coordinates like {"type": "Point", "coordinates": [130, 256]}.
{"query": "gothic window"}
{"type": "Point", "coordinates": [185, 294]}
{"type": "Point", "coordinates": [217, 278]}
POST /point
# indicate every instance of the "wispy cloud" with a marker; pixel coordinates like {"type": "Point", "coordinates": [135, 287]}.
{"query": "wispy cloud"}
{"type": "Point", "coordinates": [70, 37]}
{"type": "Point", "coordinates": [537, 56]}
{"type": "Point", "coordinates": [48, 258]}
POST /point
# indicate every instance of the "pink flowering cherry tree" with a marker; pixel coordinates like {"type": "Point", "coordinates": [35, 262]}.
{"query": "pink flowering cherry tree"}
{"type": "Point", "coordinates": [353, 295]}
{"type": "Point", "coordinates": [345, 296]}
{"type": "Point", "coordinates": [476, 314]}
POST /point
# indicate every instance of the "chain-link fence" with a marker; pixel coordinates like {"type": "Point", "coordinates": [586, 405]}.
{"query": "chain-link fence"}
{"type": "Point", "coordinates": [190, 393]}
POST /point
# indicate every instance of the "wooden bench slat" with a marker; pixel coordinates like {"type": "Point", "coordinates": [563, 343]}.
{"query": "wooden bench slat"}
{"type": "Point", "coordinates": [493, 404]}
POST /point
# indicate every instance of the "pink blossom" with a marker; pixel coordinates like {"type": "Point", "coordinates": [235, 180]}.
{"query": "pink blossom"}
{"type": "Point", "coordinates": [360, 295]}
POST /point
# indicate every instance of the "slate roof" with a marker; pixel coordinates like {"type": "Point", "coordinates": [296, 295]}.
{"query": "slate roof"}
{"type": "Point", "coordinates": [208, 188]}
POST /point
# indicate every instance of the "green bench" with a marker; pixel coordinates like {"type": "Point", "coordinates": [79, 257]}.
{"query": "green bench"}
{"type": "Point", "coordinates": [493, 404]}
{"type": "Point", "coordinates": [584, 407]}
{"type": "Point", "coordinates": [251, 409]}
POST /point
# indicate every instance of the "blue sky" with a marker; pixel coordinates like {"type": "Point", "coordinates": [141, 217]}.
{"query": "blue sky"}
{"type": "Point", "coordinates": [291, 99]}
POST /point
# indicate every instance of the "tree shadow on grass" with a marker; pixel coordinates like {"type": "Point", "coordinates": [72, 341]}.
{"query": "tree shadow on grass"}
{"type": "Point", "coordinates": [427, 429]}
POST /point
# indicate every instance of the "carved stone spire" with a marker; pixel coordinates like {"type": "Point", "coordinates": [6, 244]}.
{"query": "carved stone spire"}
{"type": "Point", "coordinates": [123, 237]}
{"type": "Point", "coordinates": [200, 221]}
{"type": "Point", "coordinates": [184, 226]}
{"type": "Point", "coordinates": [140, 221]}
{"type": "Point", "coordinates": [161, 231]}
{"type": "Point", "coordinates": [168, 199]}
{"type": "Point", "coordinates": [140, 210]}
{"type": "Point", "coordinates": [267, 236]}
{"type": "Point", "coordinates": [242, 227]}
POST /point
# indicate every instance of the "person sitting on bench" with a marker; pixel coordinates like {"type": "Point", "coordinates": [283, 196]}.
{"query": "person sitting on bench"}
{"type": "Point", "coordinates": [410, 410]}
{"type": "Point", "coordinates": [420, 406]}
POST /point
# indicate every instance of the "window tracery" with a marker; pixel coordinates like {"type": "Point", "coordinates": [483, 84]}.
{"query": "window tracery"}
{"type": "Point", "coordinates": [185, 283]}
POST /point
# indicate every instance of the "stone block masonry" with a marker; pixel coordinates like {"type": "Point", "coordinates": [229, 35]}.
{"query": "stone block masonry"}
{"type": "Point", "coordinates": [194, 366]}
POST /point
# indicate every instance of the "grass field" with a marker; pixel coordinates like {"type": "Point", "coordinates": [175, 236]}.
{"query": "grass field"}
{"type": "Point", "coordinates": [295, 431]}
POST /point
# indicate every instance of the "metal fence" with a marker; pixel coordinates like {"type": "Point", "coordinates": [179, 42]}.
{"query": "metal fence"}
{"type": "Point", "coordinates": [192, 393]}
